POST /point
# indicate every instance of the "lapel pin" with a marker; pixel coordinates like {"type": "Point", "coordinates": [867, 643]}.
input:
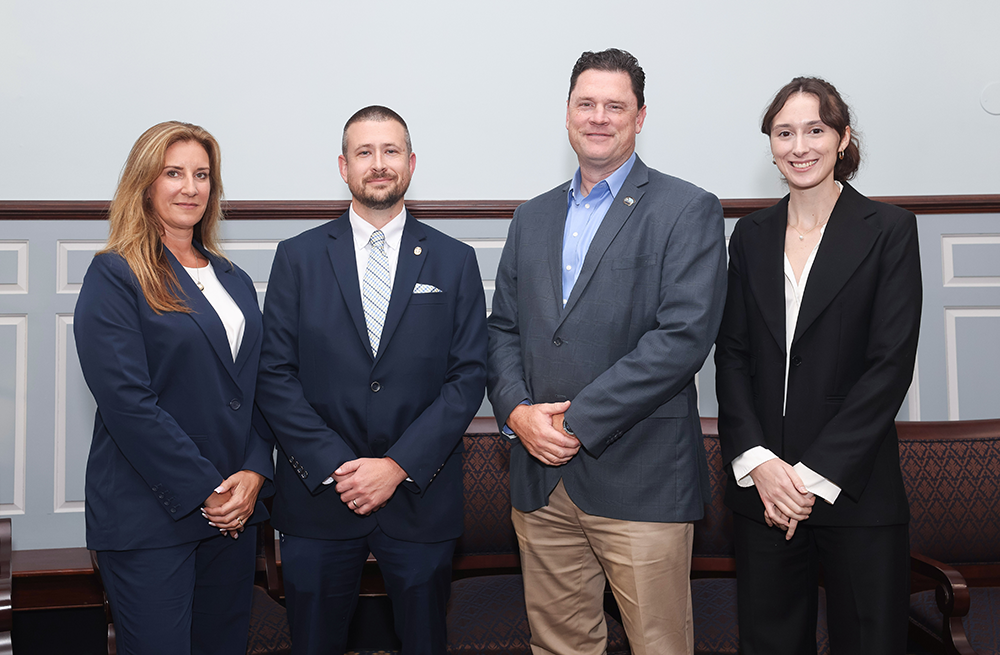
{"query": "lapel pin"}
{"type": "Point", "coordinates": [417, 250]}
{"type": "Point", "coordinates": [629, 201]}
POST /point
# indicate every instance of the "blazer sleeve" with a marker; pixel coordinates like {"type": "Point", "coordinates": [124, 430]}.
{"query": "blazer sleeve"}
{"type": "Point", "coordinates": [739, 428]}
{"type": "Point", "coordinates": [299, 430]}
{"type": "Point", "coordinates": [428, 441]}
{"type": "Point", "coordinates": [666, 358]}
{"type": "Point", "coordinates": [844, 451]}
{"type": "Point", "coordinates": [505, 383]}
{"type": "Point", "coordinates": [111, 347]}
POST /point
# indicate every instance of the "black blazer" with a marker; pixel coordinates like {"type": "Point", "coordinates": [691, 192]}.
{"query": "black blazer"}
{"type": "Point", "coordinates": [852, 356]}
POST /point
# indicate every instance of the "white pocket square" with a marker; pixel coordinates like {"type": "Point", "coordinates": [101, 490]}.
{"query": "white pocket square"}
{"type": "Point", "coordinates": [425, 288]}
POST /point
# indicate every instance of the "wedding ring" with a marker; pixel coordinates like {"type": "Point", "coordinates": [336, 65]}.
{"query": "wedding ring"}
{"type": "Point", "coordinates": [240, 521]}
{"type": "Point", "coordinates": [355, 503]}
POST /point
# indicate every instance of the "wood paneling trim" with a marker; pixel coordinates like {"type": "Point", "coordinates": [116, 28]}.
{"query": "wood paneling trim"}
{"type": "Point", "coordinates": [250, 210]}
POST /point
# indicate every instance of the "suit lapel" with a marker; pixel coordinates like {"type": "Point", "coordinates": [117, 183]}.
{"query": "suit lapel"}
{"type": "Point", "coordinates": [203, 314]}
{"type": "Point", "coordinates": [345, 270]}
{"type": "Point", "coordinates": [618, 214]}
{"type": "Point", "coordinates": [407, 270]}
{"type": "Point", "coordinates": [553, 236]}
{"type": "Point", "coordinates": [846, 242]}
{"type": "Point", "coordinates": [763, 250]}
{"type": "Point", "coordinates": [244, 298]}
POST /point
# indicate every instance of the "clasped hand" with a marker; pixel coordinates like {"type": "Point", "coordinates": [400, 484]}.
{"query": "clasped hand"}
{"type": "Point", "coordinates": [231, 505]}
{"type": "Point", "coordinates": [539, 428]}
{"type": "Point", "coordinates": [366, 484]}
{"type": "Point", "coordinates": [786, 500]}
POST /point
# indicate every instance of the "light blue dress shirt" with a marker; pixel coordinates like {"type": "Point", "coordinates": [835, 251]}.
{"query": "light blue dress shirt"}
{"type": "Point", "coordinates": [584, 217]}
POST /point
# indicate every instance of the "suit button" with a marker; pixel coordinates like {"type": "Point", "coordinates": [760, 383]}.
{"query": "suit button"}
{"type": "Point", "coordinates": [557, 342]}
{"type": "Point", "coordinates": [376, 386]}
{"type": "Point", "coordinates": [234, 404]}
{"type": "Point", "coordinates": [796, 360]}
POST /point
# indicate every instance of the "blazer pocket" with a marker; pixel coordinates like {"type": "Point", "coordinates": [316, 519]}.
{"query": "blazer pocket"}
{"type": "Point", "coordinates": [428, 298]}
{"type": "Point", "coordinates": [633, 262]}
{"type": "Point", "coordinates": [198, 437]}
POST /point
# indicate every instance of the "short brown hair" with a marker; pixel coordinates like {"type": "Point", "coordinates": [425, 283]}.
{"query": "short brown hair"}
{"type": "Point", "coordinates": [379, 114]}
{"type": "Point", "coordinates": [612, 60]}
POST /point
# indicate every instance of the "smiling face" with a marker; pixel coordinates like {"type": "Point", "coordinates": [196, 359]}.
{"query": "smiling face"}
{"type": "Point", "coordinates": [804, 147]}
{"type": "Point", "coordinates": [603, 118]}
{"type": "Point", "coordinates": [376, 165]}
{"type": "Point", "coordinates": [180, 193]}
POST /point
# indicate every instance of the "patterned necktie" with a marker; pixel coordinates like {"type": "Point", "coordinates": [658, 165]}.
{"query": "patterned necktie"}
{"type": "Point", "coordinates": [375, 290]}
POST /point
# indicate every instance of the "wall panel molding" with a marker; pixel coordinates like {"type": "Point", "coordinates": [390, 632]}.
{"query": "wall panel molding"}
{"type": "Point", "coordinates": [951, 316]}
{"type": "Point", "coordinates": [63, 249]}
{"type": "Point", "coordinates": [318, 210]}
{"type": "Point", "coordinates": [20, 411]}
{"type": "Point", "coordinates": [64, 325]}
{"type": "Point", "coordinates": [948, 257]}
{"type": "Point", "coordinates": [20, 250]}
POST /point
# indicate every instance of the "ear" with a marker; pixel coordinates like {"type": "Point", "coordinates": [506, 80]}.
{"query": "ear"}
{"type": "Point", "coordinates": [846, 140]}
{"type": "Point", "coordinates": [413, 162]}
{"type": "Point", "coordinates": [640, 118]}
{"type": "Point", "coordinates": [567, 114]}
{"type": "Point", "coordinates": [342, 162]}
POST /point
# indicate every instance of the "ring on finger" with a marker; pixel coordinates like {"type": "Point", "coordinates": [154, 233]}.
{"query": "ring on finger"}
{"type": "Point", "coordinates": [355, 503]}
{"type": "Point", "coordinates": [240, 521]}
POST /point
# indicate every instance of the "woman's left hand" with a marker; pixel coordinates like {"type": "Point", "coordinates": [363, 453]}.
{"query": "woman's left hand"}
{"type": "Point", "coordinates": [233, 516]}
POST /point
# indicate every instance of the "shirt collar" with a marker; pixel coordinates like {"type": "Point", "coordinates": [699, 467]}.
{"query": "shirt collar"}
{"type": "Point", "coordinates": [362, 230]}
{"type": "Point", "coordinates": [615, 180]}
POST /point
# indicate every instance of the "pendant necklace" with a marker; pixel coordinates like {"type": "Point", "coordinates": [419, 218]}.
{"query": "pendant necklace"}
{"type": "Point", "coordinates": [802, 235]}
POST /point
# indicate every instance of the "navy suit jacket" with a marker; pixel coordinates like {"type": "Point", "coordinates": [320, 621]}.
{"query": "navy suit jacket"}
{"type": "Point", "coordinates": [852, 356]}
{"type": "Point", "coordinates": [174, 412]}
{"type": "Point", "coordinates": [636, 329]}
{"type": "Point", "coordinates": [329, 401]}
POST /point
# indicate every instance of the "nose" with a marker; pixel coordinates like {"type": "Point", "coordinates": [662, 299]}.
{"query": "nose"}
{"type": "Point", "coordinates": [377, 163]}
{"type": "Point", "coordinates": [800, 147]}
{"type": "Point", "coordinates": [190, 187]}
{"type": "Point", "coordinates": [599, 115]}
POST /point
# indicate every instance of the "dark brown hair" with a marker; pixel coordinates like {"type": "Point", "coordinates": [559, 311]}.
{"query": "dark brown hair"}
{"type": "Point", "coordinates": [612, 60]}
{"type": "Point", "coordinates": [832, 110]}
{"type": "Point", "coordinates": [378, 114]}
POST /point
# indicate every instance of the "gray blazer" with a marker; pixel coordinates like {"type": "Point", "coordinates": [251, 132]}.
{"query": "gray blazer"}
{"type": "Point", "coordinates": [638, 325]}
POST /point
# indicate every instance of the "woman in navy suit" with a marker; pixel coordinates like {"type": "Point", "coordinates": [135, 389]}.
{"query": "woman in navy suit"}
{"type": "Point", "coordinates": [168, 331]}
{"type": "Point", "coordinates": [814, 358]}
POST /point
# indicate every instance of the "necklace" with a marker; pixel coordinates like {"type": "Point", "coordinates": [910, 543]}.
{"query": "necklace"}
{"type": "Point", "coordinates": [201, 287]}
{"type": "Point", "coordinates": [802, 235]}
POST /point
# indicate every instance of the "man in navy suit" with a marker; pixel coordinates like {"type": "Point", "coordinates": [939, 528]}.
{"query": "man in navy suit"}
{"type": "Point", "coordinates": [372, 367]}
{"type": "Point", "coordinates": [608, 297]}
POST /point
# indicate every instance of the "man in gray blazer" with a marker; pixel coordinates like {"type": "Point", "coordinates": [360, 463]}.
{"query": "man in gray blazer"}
{"type": "Point", "coordinates": [608, 298]}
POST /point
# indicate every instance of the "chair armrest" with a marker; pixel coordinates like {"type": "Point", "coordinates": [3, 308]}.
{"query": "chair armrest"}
{"type": "Point", "coordinates": [951, 591]}
{"type": "Point", "coordinates": [6, 587]}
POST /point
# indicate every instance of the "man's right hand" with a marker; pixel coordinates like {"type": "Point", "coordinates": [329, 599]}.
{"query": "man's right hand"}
{"type": "Point", "coordinates": [533, 425]}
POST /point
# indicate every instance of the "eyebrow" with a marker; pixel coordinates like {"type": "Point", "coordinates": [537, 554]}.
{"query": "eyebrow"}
{"type": "Point", "coordinates": [807, 124]}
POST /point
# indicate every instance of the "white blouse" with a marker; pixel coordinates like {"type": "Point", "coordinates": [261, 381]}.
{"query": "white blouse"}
{"type": "Point", "coordinates": [223, 304]}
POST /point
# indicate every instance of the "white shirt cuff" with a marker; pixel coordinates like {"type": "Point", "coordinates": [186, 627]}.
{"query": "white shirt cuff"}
{"type": "Point", "coordinates": [817, 484]}
{"type": "Point", "coordinates": [748, 461]}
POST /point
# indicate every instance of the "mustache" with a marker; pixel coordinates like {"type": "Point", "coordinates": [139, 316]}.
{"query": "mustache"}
{"type": "Point", "coordinates": [379, 174]}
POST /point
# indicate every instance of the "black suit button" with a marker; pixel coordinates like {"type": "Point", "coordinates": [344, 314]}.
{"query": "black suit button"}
{"type": "Point", "coordinates": [557, 342]}
{"type": "Point", "coordinates": [376, 386]}
{"type": "Point", "coordinates": [234, 404]}
{"type": "Point", "coordinates": [796, 360]}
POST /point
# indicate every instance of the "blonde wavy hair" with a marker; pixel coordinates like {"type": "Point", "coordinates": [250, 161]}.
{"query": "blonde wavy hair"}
{"type": "Point", "coordinates": [135, 229]}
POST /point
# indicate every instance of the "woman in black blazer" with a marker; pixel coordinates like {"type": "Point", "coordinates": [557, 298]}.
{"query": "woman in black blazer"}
{"type": "Point", "coordinates": [814, 358]}
{"type": "Point", "coordinates": [168, 332]}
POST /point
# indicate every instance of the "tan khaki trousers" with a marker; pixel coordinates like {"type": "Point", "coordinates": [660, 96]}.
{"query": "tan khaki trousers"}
{"type": "Point", "coordinates": [565, 556]}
